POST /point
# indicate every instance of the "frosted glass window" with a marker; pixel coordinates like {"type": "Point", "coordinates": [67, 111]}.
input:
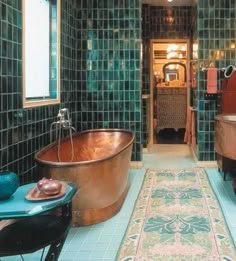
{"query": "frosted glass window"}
{"type": "Point", "coordinates": [41, 55]}
{"type": "Point", "coordinates": [37, 44]}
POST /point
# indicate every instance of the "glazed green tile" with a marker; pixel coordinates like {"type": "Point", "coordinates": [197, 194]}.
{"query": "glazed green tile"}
{"type": "Point", "coordinates": [76, 81]}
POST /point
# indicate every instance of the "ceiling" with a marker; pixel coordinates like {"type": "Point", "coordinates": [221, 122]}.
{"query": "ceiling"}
{"type": "Point", "coordinates": [166, 3]}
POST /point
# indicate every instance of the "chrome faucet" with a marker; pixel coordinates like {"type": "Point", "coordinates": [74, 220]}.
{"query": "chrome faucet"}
{"type": "Point", "coordinates": [63, 124]}
{"type": "Point", "coordinates": [64, 119]}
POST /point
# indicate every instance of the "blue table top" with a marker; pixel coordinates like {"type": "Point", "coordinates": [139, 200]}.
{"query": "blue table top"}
{"type": "Point", "coordinates": [17, 206]}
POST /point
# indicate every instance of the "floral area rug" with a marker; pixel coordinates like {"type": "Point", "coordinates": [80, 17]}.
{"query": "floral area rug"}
{"type": "Point", "coordinates": [177, 217]}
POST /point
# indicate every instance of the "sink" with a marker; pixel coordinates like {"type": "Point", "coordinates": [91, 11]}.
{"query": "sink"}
{"type": "Point", "coordinates": [225, 133]}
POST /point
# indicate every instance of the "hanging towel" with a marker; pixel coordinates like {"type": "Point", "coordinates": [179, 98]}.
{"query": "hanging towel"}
{"type": "Point", "coordinates": [212, 80]}
{"type": "Point", "coordinates": [193, 134]}
{"type": "Point", "coordinates": [190, 135]}
{"type": "Point", "coordinates": [187, 135]}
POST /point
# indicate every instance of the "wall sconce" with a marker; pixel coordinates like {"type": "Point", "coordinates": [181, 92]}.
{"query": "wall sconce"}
{"type": "Point", "coordinates": [219, 54]}
{"type": "Point", "coordinates": [169, 19]}
{"type": "Point", "coordinates": [232, 45]}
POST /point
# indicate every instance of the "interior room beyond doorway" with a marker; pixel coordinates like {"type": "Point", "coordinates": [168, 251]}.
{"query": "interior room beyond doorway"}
{"type": "Point", "coordinates": [169, 92]}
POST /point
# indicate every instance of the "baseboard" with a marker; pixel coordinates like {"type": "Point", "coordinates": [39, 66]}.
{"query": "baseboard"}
{"type": "Point", "coordinates": [145, 150]}
{"type": "Point", "coordinates": [136, 164]}
{"type": "Point", "coordinates": [209, 164]}
{"type": "Point", "coordinates": [204, 164]}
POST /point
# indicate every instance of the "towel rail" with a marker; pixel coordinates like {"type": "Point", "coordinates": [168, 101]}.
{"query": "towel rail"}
{"type": "Point", "coordinates": [227, 70]}
{"type": "Point", "coordinates": [204, 69]}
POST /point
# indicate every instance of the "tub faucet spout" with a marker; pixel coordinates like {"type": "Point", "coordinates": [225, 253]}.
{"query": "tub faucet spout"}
{"type": "Point", "coordinates": [63, 124]}
{"type": "Point", "coordinates": [64, 118]}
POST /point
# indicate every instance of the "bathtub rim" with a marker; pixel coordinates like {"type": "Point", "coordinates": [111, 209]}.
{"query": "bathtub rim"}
{"type": "Point", "coordinates": [83, 163]}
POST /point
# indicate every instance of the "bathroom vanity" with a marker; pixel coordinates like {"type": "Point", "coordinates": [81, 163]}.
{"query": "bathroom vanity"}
{"type": "Point", "coordinates": [226, 105]}
{"type": "Point", "coordinates": [171, 106]}
{"type": "Point", "coordinates": [225, 130]}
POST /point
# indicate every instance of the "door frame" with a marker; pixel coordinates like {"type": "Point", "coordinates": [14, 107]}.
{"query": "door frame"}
{"type": "Point", "coordinates": [151, 74]}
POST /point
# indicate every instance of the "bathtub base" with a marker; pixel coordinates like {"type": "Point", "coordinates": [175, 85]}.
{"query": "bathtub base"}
{"type": "Point", "coordinates": [93, 216]}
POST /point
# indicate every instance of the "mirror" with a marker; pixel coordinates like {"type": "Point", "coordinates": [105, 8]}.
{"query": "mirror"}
{"type": "Point", "coordinates": [170, 63]}
{"type": "Point", "coordinates": [175, 71]}
{"type": "Point", "coordinates": [41, 52]}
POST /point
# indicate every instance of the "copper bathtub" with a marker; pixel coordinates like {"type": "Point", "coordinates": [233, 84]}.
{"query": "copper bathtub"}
{"type": "Point", "coordinates": [99, 168]}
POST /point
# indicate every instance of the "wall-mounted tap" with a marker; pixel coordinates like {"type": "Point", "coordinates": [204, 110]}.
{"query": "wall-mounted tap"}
{"type": "Point", "coordinates": [64, 118]}
{"type": "Point", "coordinates": [63, 123]}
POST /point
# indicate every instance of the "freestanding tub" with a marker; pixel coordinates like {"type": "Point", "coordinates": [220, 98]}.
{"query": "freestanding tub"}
{"type": "Point", "coordinates": [99, 168]}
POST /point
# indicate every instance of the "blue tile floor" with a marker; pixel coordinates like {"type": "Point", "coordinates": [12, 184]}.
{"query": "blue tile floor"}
{"type": "Point", "coordinates": [101, 242]}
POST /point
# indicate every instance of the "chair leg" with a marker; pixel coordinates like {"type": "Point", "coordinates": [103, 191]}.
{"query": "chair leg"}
{"type": "Point", "coordinates": [234, 185]}
{"type": "Point", "coordinates": [55, 249]}
{"type": "Point", "coordinates": [224, 175]}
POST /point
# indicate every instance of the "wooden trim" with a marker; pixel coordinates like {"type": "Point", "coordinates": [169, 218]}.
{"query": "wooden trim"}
{"type": "Point", "coordinates": [136, 164]}
{"type": "Point", "coordinates": [203, 164]}
{"type": "Point", "coordinates": [145, 150]}
{"type": "Point", "coordinates": [153, 41]}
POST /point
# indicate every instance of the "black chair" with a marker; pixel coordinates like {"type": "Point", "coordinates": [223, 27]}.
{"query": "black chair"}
{"type": "Point", "coordinates": [33, 233]}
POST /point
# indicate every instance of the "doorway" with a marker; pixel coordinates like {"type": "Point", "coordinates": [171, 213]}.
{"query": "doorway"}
{"type": "Point", "coordinates": [169, 90]}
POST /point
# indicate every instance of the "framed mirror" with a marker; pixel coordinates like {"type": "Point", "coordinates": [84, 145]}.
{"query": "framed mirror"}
{"type": "Point", "coordinates": [171, 75]}
{"type": "Point", "coordinates": [174, 71]}
{"type": "Point", "coordinates": [41, 52]}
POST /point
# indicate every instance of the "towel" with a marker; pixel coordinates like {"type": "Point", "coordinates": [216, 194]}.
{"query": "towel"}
{"type": "Point", "coordinates": [187, 135]}
{"type": "Point", "coordinates": [193, 134]}
{"type": "Point", "coordinates": [212, 80]}
{"type": "Point", "coordinates": [190, 135]}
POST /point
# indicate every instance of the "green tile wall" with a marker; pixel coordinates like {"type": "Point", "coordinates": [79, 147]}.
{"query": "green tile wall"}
{"type": "Point", "coordinates": [216, 31]}
{"type": "Point", "coordinates": [100, 86]}
{"type": "Point", "coordinates": [155, 26]}
{"type": "Point", "coordinates": [25, 131]}
{"type": "Point", "coordinates": [111, 95]}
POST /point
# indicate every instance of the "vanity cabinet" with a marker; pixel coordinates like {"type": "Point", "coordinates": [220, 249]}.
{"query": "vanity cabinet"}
{"type": "Point", "coordinates": [171, 106]}
{"type": "Point", "coordinates": [226, 166]}
{"type": "Point", "coordinates": [227, 96]}
{"type": "Point", "coordinates": [226, 104]}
